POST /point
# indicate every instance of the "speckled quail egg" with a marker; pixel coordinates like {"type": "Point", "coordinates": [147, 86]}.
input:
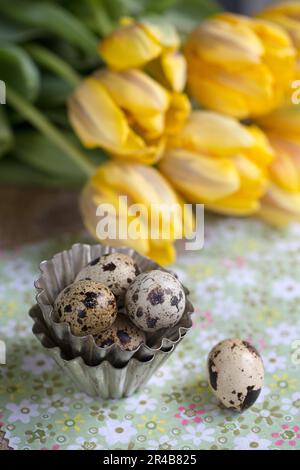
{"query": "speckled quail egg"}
{"type": "Point", "coordinates": [236, 373]}
{"type": "Point", "coordinates": [89, 307]}
{"type": "Point", "coordinates": [115, 270]}
{"type": "Point", "coordinates": [123, 333]}
{"type": "Point", "coordinates": [155, 300]}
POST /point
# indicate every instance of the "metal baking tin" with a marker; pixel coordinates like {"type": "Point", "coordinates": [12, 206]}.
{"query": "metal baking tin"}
{"type": "Point", "coordinates": [60, 271]}
{"type": "Point", "coordinates": [104, 380]}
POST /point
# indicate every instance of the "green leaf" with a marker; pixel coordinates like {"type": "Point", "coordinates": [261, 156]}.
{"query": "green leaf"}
{"type": "Point", "coordinates": [184, 14]}
{"type": "Point", "coordinates": [14, 32]}
{"type": "Point", "coordinates": [93, 13]}
{"type": "Point", "coordinates": [52, 62]}
{"type": "Point", "coordinates": [119, 8]}
{"type": "Point", "coordinates": [73, 56]}
{"type": "Point", "coordinates": [51, 18]}
{"type": "Point", "coordinates": [15, 172]}
{"type": "Point", "coordinates": [154, 6]}
{"type": "Point", "coordinates": [6, 136]}
{"type": "Point", "coordinates": [58, 116]}
{"type": "Point", "coordinates": [35, 150]}
{"type": "Point", "coordinates": [18, 70]}
{"type": "Point", "coordinates": [43, 125]}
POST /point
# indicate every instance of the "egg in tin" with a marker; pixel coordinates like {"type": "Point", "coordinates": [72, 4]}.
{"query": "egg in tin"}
{"type": "Point", "coordinates": [236, 373]}
{"type": "Point", "coordinates": [115, 270]}
{"type": "Point", "coordinates": [155, 300]}
{"type": "Point", "coordinates": [89, 307]}
{"type": "Point", "coordinates": [123, 333]}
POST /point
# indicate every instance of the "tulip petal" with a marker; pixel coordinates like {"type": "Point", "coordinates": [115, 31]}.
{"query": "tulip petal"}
{"type": "Point", "coordinates": [284, 122]}
{"type": "Point", "coordinates": [129, 46]}
{"type": "Point", "coordinates": [174, 67]}
{"type": "Point", "coordinates": [136, 150]}
{"type": "Point", "coordinates": [163, 33]}
{"type": "Point", "coordinates": [135, 91]}
{"type": "Point", "coordinates": [261, 151]}
{"type": "Point", "coordinates": [253, 179]}
{"type": "Point", "coordinates": [286, 15]}
{"type": "Point", "coordinates": [198, 177]}
{"type": "Point", "coordinates": [279, 56]}
{"type": "Point", "coordinates": [239, 65]}
{"type": "Point", "coordinates": [284, 169]}
{"type": "Point", "coordinates": [249, 92]}
{"type": "Point", "coordinates": [143, 184]}
{"type": "Point", "coordinates": [152, 127]}
{"type": "Point", "coordinates": [91, 198]}
{"type": "Point", "coordinates": [214, 96]}
{"type": "Point", "coordinates": [95, 117]}
{"type": "Point", "coordinates": [139, 95]}
{"type": "Point", "coordinates": [163, 253]}
{"type": "Point", "coordinates": [220, 42]}
{"type": "Point", "coordinates": [177, 113]}
{"type": "Point", "coordinates": [236, 205]}
{"type": "Point", "coordinates": [280, 207]}
{"type": "Point", "coordinates": [213, 134]}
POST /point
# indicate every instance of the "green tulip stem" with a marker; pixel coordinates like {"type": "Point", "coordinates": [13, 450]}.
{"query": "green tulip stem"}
{"type": "Point", "coordinates": [54, 63]}
{"type": "Point", "coordinates": [103, 21]}
{"type": "Point", "coordinates": [41, 123]}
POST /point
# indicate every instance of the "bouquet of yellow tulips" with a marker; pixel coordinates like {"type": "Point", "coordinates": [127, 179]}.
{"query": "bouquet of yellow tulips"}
{"type": "Point", "coordinates": [205, 117]}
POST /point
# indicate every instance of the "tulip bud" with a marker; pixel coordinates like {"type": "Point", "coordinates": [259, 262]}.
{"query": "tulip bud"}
{"type": "Point", "coordinates": [137, 44]}
{"type": "Point", "coordinates": [281, 204]}
{"type": "Point", "coordinates": [126, 113]}
{"type": "Point", "coordinates": [218, 161]}
{"type": "Point", "coordinates": [142, 185]}
{"type": "Point", "coordinates": [280, 207]}
{"type": "Point", "coordinates": [286, 15]}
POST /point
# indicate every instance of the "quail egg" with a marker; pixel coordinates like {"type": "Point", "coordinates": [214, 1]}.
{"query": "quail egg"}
{"type": "Point", "coordinates": [236, 373]}
{"type": "Point", "coordinates": [154, 300]}
{"type": "Point", "coordinates": [89, 307]}
{"type": "Point", "coordinates": [115, 270]}
{"type": "Point", "coordinates": [123, 333]}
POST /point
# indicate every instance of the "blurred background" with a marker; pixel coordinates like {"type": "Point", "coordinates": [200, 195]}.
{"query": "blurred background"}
{"type": "Point", "coordinates": [45, 47]}
{"type": "Point", "coordinates": [245, 6]}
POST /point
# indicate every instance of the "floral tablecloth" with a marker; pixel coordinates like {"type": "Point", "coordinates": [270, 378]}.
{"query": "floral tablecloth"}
{"type": "Point", "coordinates": [245, 283]}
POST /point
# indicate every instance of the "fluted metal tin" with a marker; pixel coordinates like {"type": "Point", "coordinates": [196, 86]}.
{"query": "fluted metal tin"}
{"type": "Point", "coordinates": [61, 271]}
{"type": "Point", "coordinates": [103, 380]}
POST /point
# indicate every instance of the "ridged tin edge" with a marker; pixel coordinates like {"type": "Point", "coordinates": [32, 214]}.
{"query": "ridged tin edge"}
{"type": "Point", "coordinates": [104, 380]}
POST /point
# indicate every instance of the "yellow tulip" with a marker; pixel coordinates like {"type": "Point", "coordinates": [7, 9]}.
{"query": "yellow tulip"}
{"type": "Point", "coordinates": [284, 122]}
{"type": "Point", "coordinates": [281, 203]}
{"type": "Point", "coordinates": [239, 66]}
{"type": "Point", "coordinates": [280, 207]}
{"type": "Point", "coordinates": [126, 113]}
{"type": "Point", "coordinates": [137, 44]}
{"type": "Point", "coordinates": [142, 185]}
{"type": "Point", "coordinates": [286, 15]}
{"type": "Point", "coordinates": [217, 161]}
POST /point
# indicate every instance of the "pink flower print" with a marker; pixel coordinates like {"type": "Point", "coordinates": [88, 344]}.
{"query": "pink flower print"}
{"type": "Point", "coordinates": [261, 343]}
{"type": "Point", "coordinates": [237, 262]}
{"type": "Point", "coordinates": [207, 319]}
{"type": "Point", "coordinates": [203, 318]}
{"type": "Point", "coordinates": [189, 414]}
{"type": "Point", "coordinates": [11, 255]}
{"type": "Point", "coordinates": [288, 435]}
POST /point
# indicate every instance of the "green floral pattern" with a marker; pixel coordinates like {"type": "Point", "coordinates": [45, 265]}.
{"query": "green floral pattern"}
{"type": "Point", "coordinates": [245, 283]}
